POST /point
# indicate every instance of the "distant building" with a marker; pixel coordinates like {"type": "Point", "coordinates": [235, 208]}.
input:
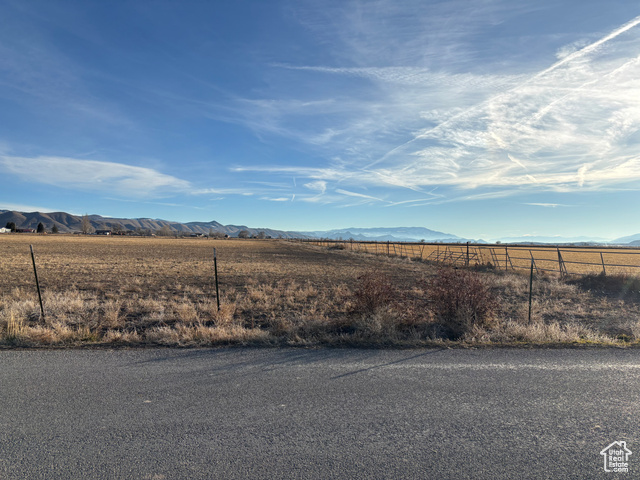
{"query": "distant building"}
{"type": "Point", "coordinates": [5, 230]}
{"type": "Point", "coordinates": [103, 232]}
{"type": "Point", "coordinates": [25, 230]}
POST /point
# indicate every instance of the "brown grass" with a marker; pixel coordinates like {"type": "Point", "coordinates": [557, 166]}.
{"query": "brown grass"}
{"type": "Point", "coordinates": [577, 260]}
{"type": "Point", "coordinates": [160, 291]}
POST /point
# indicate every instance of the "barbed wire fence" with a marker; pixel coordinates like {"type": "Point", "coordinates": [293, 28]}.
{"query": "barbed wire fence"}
{"type": "Point", "coordinates": [563, 260]}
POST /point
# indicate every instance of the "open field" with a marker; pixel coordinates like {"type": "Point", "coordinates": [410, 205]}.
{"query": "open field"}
{"type": "Point", "coordinates": [160, 291]}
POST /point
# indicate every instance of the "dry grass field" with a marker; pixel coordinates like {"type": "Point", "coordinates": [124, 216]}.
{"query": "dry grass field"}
{"type": "Point", "coordinates": [160, 291]}
{"type": "Point", "coordinates": [576, 260]}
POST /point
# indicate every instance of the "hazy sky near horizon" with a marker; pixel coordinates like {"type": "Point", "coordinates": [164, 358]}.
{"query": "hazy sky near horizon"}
{"type": "Point", "coordinates": [484, 119]}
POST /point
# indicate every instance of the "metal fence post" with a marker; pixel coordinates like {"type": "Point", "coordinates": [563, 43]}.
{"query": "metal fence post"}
{"type": "Point", "coordinates": [533, 261]}
{"type": "Point", "coordinates": [561, 265]}
{"type": "Point", "coordinates": [530, 289]}
{"type": "Point", "coordinates": [467, 264]}
{"type": "Point", "coordinates": [35, 272]}
{"type": "Point", "coordinates": [215, 270]}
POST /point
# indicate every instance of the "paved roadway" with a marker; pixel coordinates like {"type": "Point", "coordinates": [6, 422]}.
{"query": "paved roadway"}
{"type": "Point", "coordinates": [317, 414]}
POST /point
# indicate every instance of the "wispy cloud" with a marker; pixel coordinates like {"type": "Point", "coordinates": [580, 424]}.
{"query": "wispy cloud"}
{"type": "Point", "coordinates": [24, 208]}
{"type": "Point", "coordinates": [571, 126]}
{"type": "Point", "coordinates": [105, 177]}
{"type": "Point", "coordinates": [358, 195]}
{"type": "Point", "coordinates": [548, 205]}
{"type": "Point", "coordinates": [278, 199]}
{"type": "Point", "coordinates": [319, 186]}
{"type": "Point", "coordinates": [91, 175]}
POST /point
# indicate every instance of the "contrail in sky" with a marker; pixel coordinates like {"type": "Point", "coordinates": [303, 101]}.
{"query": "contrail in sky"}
{"type": "Point", "coordinates": [589, 48]}
{"type": "Point", "coordinates": [580, 53]}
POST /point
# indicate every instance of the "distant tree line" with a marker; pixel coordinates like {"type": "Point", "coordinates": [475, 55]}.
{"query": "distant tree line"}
{"type": "Point", "coordinates": [39, 229]}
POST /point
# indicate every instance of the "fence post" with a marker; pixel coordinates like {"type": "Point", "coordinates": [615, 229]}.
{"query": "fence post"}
{"type": "Point", "coordinates": [215, 270]}
{"type": "Point", "coordinates": [604, 271]}
{"type": "Point", "coordinates": [533, 261]}
{"type": "Point", "coordinates": [467, 264]}
{"type": "Point", "coordinates": [561, 266]}
{"type": "Point", "coordinates": [530, 289]}
{"type": "Point", "coordinates": [35, 272]}
{"type": "Point", "coordinates": [506, 258]}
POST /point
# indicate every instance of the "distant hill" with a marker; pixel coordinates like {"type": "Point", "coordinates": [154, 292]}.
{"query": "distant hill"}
{"type": "Point", "coordinates": [555, 240]}
{"type": "Point", "coordinates": [68, 223]}
{"type": "Point", "coordinates": [384, 234]}
{"type": "Point", "coordinates": [631, 239]}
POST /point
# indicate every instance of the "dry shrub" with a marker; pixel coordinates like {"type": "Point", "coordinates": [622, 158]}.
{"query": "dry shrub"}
{"type": "Point", "coordinates": [618, 286]}
{"type": "Point", "coordinates": [186, 312]}
{"type": "Point", "coordinates": [538, 332]}
{"type": "Point", "coordinates": [461, 300]}
{"type": "Point", "coordinates": [374, 290]}
{"type": "Point", "coordinates": [383, 323]}
{"type": "Point", "coordinates": [14, 327]}
{"type": "Point", "coordinates": [119, 337]}
{"type": "Point", "coordinates": [200, 335]}
{"type": "Point", "coordinates": [111, 317]}
{"type": "Point", "coordinates": [225, 316]}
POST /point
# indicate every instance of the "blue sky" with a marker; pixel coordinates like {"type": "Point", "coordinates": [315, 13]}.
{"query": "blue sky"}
{"type": "Point", "coordinates": [480, 118]}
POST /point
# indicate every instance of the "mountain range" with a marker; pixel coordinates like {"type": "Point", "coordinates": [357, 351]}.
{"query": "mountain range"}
{"type": "Point", "coordinates": [67, 223]}
{"type": "Point", "coordinates": [381, 234]}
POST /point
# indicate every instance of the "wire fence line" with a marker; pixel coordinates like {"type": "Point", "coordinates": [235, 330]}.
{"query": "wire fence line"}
{"type": "Point", "coordinates": [563, 260]}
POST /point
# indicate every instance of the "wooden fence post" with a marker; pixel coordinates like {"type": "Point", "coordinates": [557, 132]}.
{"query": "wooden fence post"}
{"type": "Point", "coordinates": [604, 271]}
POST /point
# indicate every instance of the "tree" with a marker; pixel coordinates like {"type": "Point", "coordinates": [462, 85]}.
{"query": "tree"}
{"type": "Point", "coordinates": [86, 225]}
{"type": "Point", "coordinates": [40, 228]}
{"type": "Point", "coordinates": [262, 235]}
{"type": "Point", "coordinates": [54, 229]}
{"type": "Point", "coordinates": [11, 226]}
{"type": "Point", "coordinates": [243, 234]}
{"type": "Point", "coordinates": [165, 231]}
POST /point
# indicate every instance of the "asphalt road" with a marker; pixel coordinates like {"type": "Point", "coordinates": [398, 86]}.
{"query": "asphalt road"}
{"type": "Point", "coordinates": [317, 414]}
